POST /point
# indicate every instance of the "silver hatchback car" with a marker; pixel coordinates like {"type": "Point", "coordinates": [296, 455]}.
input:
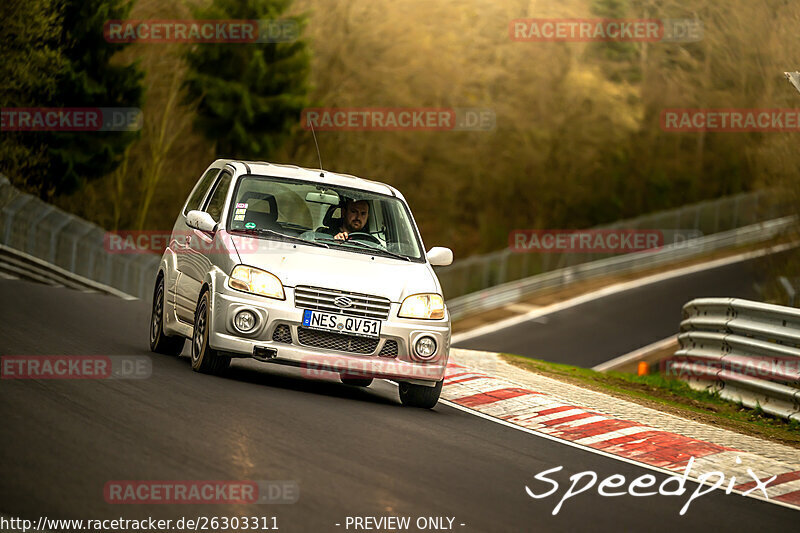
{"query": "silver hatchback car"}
{"type": "Point", "coordinates": [322, 271]}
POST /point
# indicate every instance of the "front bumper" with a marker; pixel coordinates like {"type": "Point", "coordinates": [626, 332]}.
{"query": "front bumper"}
{"type": "Point", "coordinates": [272, 314]}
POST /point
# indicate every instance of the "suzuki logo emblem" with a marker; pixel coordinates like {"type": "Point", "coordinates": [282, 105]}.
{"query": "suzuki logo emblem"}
{"type": "Point", "coordinates": [342, 301]}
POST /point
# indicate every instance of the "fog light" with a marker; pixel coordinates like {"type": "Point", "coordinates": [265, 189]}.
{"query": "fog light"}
{"type": "Point", "coordinates": [425, 347]}
{"type": "Point", "coordinates": [244, 321]}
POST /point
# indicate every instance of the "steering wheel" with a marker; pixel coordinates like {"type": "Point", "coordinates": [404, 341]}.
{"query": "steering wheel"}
{"type": "Point", "coordinates": [364, 236]}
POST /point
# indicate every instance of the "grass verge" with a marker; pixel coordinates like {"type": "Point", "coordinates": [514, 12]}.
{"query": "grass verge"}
{"type": "Point", "coordinates": [670, 395]}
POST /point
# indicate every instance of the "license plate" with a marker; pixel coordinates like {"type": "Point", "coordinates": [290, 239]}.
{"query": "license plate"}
{"type": "Point", "coordinates": [352, 325]}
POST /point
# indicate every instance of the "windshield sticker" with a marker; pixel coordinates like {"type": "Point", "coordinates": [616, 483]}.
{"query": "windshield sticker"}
{"type": "Point", "coordinates": [250, 225]}
{"type": "Point", "coordinates": [241, 206]}
{"type": "Point", "coordinates": [240, 211]}
{"type": "Point", "coordinates": [238, 217]}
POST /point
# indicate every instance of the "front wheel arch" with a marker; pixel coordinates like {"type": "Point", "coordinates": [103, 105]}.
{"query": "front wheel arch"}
{"type": "Point", "coordinates": [160, 342]}
{"type": "Point", "coordinates": [205, 359]}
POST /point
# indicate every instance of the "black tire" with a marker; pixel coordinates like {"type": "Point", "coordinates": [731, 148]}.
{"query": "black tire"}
{"type": "Point", "coordinates": [355, 382]}
{"type": "Point", "coordinates": [159, 342]}
{"type": "Point", "coordinates": [205, 359]}
{"type": "Point", "coordinates": [420, 395]}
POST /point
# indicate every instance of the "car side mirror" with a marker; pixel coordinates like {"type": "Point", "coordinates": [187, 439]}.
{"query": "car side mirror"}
{"type": "Point", "coordinates": [201, 220]}
{"type": "Point", "coordinates": [439, 256]}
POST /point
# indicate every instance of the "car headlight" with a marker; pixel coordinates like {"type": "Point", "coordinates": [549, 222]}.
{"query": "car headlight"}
{"type": "Point", "coordinates": [256, 281]}
{"type": "Point", "coordinates": [427, 306]}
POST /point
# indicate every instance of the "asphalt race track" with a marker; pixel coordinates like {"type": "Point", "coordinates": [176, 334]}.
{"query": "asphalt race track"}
{"type": "Point", "coordinates": [602, 329]}
{"type": "Point", "coordinates": [352, 452]}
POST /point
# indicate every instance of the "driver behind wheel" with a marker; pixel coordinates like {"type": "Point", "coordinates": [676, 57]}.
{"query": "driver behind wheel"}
{"type": "Point", "coordinates": [354, 218]}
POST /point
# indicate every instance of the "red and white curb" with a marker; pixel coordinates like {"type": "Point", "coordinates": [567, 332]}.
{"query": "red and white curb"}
{"type": "Point", "coordinates": [578, 425]}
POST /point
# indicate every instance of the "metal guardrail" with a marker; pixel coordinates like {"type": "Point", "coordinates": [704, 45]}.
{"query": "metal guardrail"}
{"type": "Point", "coordinates": [747, 351]}
{"type": "Point", "coordinates": [515, 291]}
{"type": "Point", "coordinates": [22, 265]}
{"type": "Point", "coordinates": [41, 230]}
{"type": "Point", "coordinates": [476, 273]}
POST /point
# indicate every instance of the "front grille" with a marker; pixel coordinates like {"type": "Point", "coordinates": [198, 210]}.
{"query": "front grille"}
{"type": "Point", "coordinates": [389, 349]}
{"type": "Point", "coordinates": [336, 341]}
{"type": "Point", "coordinates": [363, 305]}
{"type": "Point", "coordinates": [282, 334]}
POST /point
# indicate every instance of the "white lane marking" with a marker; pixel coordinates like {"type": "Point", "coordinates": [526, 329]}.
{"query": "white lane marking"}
{"type": "Point", "coordinates": [617, 288]}
{"type": "Point", "coordinates": [522, 307]}
{"type": "Point", "coordinates": [636, 354]}
{"type": "Point", "coordinates": [600, 452]}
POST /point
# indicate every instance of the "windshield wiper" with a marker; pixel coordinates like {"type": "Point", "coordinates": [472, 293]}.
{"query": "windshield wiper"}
{"type": "Point", "coordinates": [379, 251]}
{"type": "Point", "coordinates": [292, 238]}
{"type": "Point", "coordinates": [392, 254]}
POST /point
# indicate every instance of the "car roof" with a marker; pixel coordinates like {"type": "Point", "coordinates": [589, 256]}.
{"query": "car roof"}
{"type": "Point", "coordinates": [310, 174]}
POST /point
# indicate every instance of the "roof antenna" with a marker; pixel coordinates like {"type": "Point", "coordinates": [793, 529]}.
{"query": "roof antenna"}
{"type": "Point", "coordinates": [322, 173]}
{"type": "Point", "coordinates": [794, 78]}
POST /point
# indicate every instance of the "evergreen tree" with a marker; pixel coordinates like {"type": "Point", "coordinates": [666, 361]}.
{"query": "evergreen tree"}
{"type": "Point", "coordinates": [55, 55]}
{"type": "Point", "coordinates": [91, 80]}
{"type": "Point", "coordinates": [31, 60]}
{"type": "Point", "coordinates": [249, 95]}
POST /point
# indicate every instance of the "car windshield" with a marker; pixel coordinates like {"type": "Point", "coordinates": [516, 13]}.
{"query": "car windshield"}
{"type": "Point", "coordinates": [316, 212]}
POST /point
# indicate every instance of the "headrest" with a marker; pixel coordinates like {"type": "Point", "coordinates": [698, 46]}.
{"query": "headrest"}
{"type": "Point", "coordinates": [261, 219]}
{"type": "Point", "coordinates": [329, 221]}
{"type": "Point", "coordinates": [258, 200]}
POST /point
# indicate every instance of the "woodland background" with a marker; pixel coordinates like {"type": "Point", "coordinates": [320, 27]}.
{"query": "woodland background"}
{"type": "Point", "coordinates": [578, 140]}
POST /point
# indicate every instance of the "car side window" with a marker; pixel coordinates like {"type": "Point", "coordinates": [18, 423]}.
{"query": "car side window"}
{"type": "Point", "coordinates": [199, 192]}
{"type": "Point", "coordinates": [216, 202]}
